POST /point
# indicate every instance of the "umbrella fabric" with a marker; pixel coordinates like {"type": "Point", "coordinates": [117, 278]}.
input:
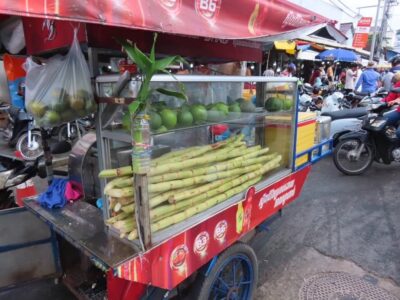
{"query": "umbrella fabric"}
{"type": "Point", "coordinates": [338, 55]}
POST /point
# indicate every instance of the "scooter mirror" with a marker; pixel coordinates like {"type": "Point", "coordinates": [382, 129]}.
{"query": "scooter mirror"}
{"type": "Point", "coordinates": [61, 147]}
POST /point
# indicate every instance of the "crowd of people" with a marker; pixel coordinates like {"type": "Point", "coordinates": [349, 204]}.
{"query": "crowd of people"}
{"type": "Point", "coordinates": [354, 78]}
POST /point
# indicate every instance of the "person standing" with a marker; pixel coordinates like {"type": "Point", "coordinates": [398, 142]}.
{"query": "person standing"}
{"type": "Point", "coordinates": [269, 72]}
{"type": "Point", "coordinates": [329, 73]}
{"type": "Point", "coordinates": [387, 78]}
{"type": "Point", "coordinates": [351, 74]}
{"type": "Point", "coordinates": [369, 80]}
{"type": "Point", "coordinates": [315, 74]}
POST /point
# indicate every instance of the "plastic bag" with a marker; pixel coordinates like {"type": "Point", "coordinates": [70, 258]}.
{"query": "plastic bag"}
{"type": "Point", "coordinates": [60, 90]}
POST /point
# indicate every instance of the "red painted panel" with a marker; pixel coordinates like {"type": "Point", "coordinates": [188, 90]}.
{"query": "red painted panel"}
{"type": "Point", "coordinates": [170, 263]}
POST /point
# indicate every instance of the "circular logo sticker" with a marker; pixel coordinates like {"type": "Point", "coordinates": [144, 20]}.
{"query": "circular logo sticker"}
{"type": "Point", "coordinates": [220, 230]}
{"type": "Point", "coordinates": [201, 243]}
{"type": "Point", "coordinates": [178, 257]}
{"type": "Point", "coordinates": [208, 9]}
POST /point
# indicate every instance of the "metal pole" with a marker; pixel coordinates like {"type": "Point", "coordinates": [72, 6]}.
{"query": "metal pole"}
{"type": "Point", "coordinates": [371, 55]}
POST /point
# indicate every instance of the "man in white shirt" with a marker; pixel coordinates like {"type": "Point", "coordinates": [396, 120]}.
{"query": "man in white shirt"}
{"type": "Point", "coordinates": [351, 74]}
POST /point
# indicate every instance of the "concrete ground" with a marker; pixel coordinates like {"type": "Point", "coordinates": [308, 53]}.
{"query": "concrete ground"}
{"type": "Point", "coordinates": [339, 224]}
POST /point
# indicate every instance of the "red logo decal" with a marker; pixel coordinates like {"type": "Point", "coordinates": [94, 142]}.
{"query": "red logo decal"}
{"type": "Point", "coordinates": [208, 9]}
{"type": "Point", "coordinates": [220, 230]}
{"type": "Point", "coordinates": [178, 257]}
{"type": "Point", "coordinates": [201, 243]}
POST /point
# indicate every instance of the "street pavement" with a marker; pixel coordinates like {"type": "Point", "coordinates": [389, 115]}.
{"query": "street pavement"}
{"type": "Point", "coordinates": [339, 224]}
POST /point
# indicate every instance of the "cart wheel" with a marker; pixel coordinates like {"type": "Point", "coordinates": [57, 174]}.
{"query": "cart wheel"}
{"type": "Point", "coordinates": [234, 276]}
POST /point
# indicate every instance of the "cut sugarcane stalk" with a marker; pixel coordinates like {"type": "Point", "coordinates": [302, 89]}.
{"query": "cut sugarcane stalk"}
{"type": "Point", "coordinates": [231, 164]}
{"type": "Point", "coordinates": [179, 217]}
{"type": "Point", "coordinates": [114, 183]}
{"type": "Point", "coordinates": [133, 235]}
{"type": "Point", "coordinates": [122, 200]}
{"type": "Point", "coordinates": [117, 207]}
{"type": "Point", "coordinates": [124, 182]}
{"type": "Point", "coordinates": [109, 173]}
{"type": "Point", "coordinates": [163, 197]}
{"type": "Point", "coordinates": [215, 157]}
{"type": "Point", "coordinates": [157, 216]}
{"type": "Point", "coordinates": [116, 218]}
{"type": "Point", "coordinates": [121, 192]}
{"type": "Point", "coordinates": [128, 208]}
{"type": "Point", "coordinates": [176, 184]}
{"type": "Point", "coordinates": [165, 210]}
{"type": "Point", "coordinates": [125, 225]}
{"type": "Point", "coordinates": [178, 196]}
{"type": "Point", "coordinates": [221, 198]}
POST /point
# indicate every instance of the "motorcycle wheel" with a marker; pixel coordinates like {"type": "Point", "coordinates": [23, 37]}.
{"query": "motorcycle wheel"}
{"type": "Point", "coordinates": [32, 152]}
{"type": "Point", "coordinates": [63, 132]}
{"type": "Point", "coordinates": [345, 157]}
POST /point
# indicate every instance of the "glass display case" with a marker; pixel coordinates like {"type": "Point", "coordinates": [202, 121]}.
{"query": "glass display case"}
{"type": "Point", "coordinates": [233, 133]}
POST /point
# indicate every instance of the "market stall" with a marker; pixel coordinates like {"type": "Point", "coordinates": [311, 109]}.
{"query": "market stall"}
{"type": "Point", "coordinates": [213, 167]}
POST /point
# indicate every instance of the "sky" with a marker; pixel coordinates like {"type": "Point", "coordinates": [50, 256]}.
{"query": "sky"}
{"type": "Point", "coordinates": [394, 22]}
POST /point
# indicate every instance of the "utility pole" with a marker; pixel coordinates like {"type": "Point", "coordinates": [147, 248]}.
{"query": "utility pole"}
{"type": "Point", "coordinates": [371, 55]}
{"type": "Point", "coordinates": [383, 28]}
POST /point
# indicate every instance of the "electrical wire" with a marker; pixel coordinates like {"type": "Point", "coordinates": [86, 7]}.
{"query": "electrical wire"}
{"type": "Point", "coordinates": [341, 9]}
{"type": "Point", "coordinates": [348, 8]}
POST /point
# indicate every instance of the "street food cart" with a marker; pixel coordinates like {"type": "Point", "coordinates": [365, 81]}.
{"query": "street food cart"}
{"type": "Point", "coordinates": [220, 165]}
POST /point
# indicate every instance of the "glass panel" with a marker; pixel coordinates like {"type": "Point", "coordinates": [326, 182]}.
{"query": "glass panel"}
{"type": "Point", "coordinates": [208, 151]}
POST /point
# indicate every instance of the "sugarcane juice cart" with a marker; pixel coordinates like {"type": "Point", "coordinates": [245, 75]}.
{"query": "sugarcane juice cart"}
{"type": "Point", "coordinates": [213, 168]}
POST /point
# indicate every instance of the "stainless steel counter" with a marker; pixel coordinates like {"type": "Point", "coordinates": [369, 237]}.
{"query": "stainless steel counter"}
{"type": "Point", "coordinates": [82, 225]}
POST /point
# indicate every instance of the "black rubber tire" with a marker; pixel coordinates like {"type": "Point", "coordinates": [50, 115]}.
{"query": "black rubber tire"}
{"type": "Point", "coordinates": [345, 171]}
{"type": "Point", "coordinates": [62, 132]}
{"type": "Point", "coordinates": [21, 140]}
{"type": "Point", "coordinates": [202, 285]}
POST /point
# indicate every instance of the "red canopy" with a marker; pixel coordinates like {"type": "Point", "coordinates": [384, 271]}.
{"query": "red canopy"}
{"type": "Point", "coordinates": [222, 19]}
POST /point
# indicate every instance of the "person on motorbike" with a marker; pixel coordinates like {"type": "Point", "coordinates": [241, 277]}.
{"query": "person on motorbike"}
{"type": "Point", "coordinates": [394, 99]}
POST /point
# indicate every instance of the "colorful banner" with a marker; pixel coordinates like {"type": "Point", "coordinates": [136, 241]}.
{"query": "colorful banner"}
{"type": "Point", "coordinates": [223, 19]}
{"type": "Point", "coordinates": [168, 264]}
{"type": "Point", "coordinates": [360, 39]}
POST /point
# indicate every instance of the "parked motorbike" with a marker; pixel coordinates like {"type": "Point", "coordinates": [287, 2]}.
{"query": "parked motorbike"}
{"type": "Point", "coordinates": [19, 132]}
{"type": "Point", "coordinates": [74, 130]}
{"type": "Point", "coordinates": [14, 172]}
{"type": "Point", "coordinates": [377, 141]}
{"type": "Point", "coordinates": [344, 121]}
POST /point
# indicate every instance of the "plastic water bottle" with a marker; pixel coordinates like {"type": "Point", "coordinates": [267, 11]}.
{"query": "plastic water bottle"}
{"type": "Point", "coordinates": [141, 142]}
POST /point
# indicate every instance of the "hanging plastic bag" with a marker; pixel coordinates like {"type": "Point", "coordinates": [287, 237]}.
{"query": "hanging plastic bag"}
{"type": "Point", "coordinates": [59, 91]}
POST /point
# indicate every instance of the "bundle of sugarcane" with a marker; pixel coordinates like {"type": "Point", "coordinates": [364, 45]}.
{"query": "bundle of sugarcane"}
{"type": "Point", "coordinates": [186, 182]}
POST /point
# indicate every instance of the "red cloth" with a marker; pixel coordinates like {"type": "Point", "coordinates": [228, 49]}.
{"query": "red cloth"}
{"type": "Point", "coordinates": [393, 96]}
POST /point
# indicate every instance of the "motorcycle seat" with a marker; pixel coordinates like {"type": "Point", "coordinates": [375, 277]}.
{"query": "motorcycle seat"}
{"type": "Point", "coordinates": [346, 113]}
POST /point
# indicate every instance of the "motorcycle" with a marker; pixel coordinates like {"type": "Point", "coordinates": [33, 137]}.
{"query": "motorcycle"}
{"type": "Point", "coordinates": [19, 132]}
{"type": "Point", "coordinates": [13, 172]}
{"type": "Point", "coordinates": [377, 141]}
{"type": "Point", "coordinates": [74, 130]}
{"type": "Point", "coordinates": [344, 121]}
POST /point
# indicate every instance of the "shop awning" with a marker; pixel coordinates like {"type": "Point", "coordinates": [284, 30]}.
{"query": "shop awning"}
{"type": "Point", "coordinates": [307, 55]}
{"type": "Point", "coordinates": [233, 19]}
{"type": "Point", "coordinates": [288, 46]}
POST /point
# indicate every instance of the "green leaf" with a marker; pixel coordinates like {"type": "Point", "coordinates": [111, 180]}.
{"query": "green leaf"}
{"type": "Point", "coordinates": [142, 60]}
{"type": "Point", "coordinates": [162, 64]}
{"type": "Point", "coordinates": [136, 55]}
{"type": "Point", "coordinates": [133, 107]}
{"type": "Point", "coordinates": [172, 93]}
{"type": "Point", "coordinates": [153, 49]}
